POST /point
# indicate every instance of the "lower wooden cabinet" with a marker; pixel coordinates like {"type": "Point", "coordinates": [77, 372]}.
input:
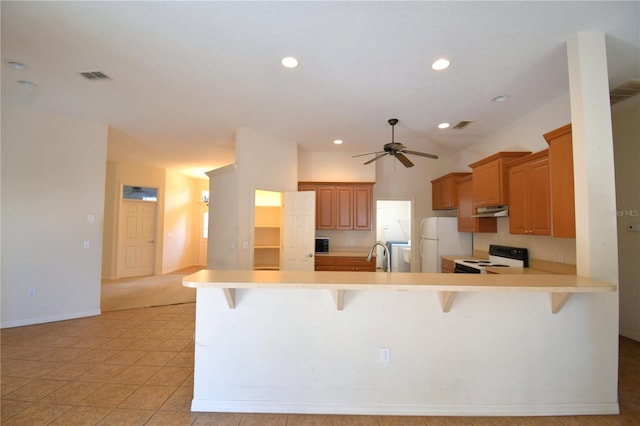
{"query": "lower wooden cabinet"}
{"type": "Point", "coordinates": [447, 266]}
{"type": "Point", "coordinates": [344, 263]}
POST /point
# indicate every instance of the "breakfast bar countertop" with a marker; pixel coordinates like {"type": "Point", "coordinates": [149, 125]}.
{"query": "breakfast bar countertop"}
{"type": "Point", "coordinates": [394, 281]}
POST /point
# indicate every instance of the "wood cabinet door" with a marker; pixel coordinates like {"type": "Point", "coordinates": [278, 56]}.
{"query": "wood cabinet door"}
{"type": "Point", "coordinates": [354, 264]}
{"type": "Point", "coordinates": [448, 266]}
{"type": "Point", "coordinates": [539, 200]}
{"type": "Point", "coordinates": [518, 201]}
{"type": "Point", "coordinates": [362, 207]}
{"type": "Point", "coordinates": [465, 206]}
{"type": "Point", "coordinates": [561, 182]}
{"type": "Point", "coordinates": [436, 196]}
{"type": "Point", "coordinates": [529, 201]}
{"type": "Point", "coordinates": [487, 184]}
{"type": "Point", "coordinates": [466, 221]}
{"type": "Point", "coordinates": [344, 211]}
{"type": "Point", "coordinates": [447, 194]}
{"type": "Point", "coordinates": [325, 207]}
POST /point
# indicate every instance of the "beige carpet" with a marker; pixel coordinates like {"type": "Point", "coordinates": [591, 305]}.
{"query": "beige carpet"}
{"type": "Point", "coordinates": [143, 292]}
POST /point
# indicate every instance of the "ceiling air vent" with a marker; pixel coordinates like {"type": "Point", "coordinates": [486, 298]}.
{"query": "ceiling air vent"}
{"type": "Point", "coordinates": [461, 125]}
{"type": "Point", "coordinates": [95, 75]}
{"type": "Point", "coordinates": [624, 91]}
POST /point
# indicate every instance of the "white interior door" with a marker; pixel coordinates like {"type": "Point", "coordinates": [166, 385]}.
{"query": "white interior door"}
{"type": "Point", "coordinates": [204, 235]}
{"type": "Point", "coordinates": [299, 227]}
{"type": "Point", "coordinates": [138, 230]}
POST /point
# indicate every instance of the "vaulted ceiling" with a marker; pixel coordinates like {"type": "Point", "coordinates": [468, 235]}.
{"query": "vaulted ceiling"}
{"type": "Point", "coordinates": [182, 76]}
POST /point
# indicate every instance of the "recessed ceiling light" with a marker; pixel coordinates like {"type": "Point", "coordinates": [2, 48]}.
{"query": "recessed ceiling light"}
{"type": "Point", "coordinates": [16, 65]}
{"type": "Point", "coordinates": [290, 62]}
{"type": "Point", "coordinates": [500, 98]}
{"type": "Point", "coordinates": [443, 125]}
{"type": "Point", "coordinates": [337, 142]}
{"type": "Point", "coordinates": [441, 64]}
{"type": "Point", "coordinates": [28, 84]}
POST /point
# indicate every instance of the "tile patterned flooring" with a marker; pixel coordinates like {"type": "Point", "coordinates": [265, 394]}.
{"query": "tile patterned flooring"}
{"type": "Point", "coordinates": [135, 367]}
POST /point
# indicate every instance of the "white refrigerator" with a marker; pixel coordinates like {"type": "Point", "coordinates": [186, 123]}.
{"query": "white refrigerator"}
{"type": "Point", "coordinates": [440, 237]}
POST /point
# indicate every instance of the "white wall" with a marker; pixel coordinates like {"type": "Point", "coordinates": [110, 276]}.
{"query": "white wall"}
{"type": "Point", "coordinates": [177, 216]}
{"type": "Point", "coordinates": [120, 174]}
{"type": "Point", "coordinates": [53, 178]}
{"type": "Point", "coordinates": [262, 162]}
{"type": "Point", "coordinates": [334, 167]}
{"type": "Point", "coordinates": [492, 354]}
{"type": "Point", "coordinates": [223, 242]}
{"type": "Point", "coordinates": [181, 221]}
{"type": "Point", "coordinates": [626, 134]}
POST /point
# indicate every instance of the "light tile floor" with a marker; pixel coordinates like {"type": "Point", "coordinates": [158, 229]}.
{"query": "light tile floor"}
{"type": "Point", "coordinates": [135, 367]}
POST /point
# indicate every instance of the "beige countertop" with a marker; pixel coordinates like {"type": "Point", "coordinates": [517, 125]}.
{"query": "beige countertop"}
{"type": "Point", "coordinates": [394, 281]}
{"type": "Point", "coordinates": [517, 271]}
{"type": "Point", "coordinates": [345, 253]}
{"type": "Point", "coordinates": [452, 258]}
{"type": "Point", "coordinates": [561, 287]}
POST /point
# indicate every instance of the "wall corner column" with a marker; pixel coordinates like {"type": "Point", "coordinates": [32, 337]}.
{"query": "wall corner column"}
{"type": "Point", "coordinates": [594, 172]}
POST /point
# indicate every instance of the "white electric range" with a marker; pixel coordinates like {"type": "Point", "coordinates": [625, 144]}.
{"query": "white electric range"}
{"type": "Point", "coordinates": [499, 257]}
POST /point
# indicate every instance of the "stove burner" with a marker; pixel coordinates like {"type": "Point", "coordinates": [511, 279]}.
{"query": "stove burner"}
{"type": "Point", "coordinates": [499, 266]}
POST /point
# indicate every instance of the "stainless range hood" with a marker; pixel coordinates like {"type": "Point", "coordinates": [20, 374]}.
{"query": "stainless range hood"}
{"type": "Point", "coordinates": [494, 211]}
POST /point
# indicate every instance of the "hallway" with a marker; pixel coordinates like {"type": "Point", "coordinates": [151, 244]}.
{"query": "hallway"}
{"type": "Point", "coordinates": [144, 292]}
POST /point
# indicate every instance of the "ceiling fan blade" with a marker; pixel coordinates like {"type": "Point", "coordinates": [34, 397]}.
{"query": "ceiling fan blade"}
{"type": "Point", "coordinates": [367, 153]}
{"type": "Point", "coordinates": [422, 154]}
{"type": "Point", "coordinates": [404, 160]}
{"type": "Point", "coordinates": [376, 158]}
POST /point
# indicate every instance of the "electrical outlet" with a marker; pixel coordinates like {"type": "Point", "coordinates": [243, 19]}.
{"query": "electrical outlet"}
{"type": "Point", "coordinates": [561, 257]}
{"type": "Point", "coordinates": [385, 355]}
{"type": "Point", "coordinates": [31, 292]}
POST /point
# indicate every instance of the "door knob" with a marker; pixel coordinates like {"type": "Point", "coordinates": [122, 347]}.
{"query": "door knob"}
{"type": "Point", "coordinates": [308, 255]}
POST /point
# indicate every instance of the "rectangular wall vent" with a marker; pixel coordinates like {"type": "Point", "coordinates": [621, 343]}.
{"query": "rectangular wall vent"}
{"type": "Point", "coordinates": [462, 125]}
{"type": "Point", "coordinates": [624, 91]}
{"type": "Point", "coordinates": [95, 75]}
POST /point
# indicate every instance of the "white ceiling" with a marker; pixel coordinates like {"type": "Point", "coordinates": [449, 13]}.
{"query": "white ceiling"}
{"type": "Point", "coordinates": [185, 75]}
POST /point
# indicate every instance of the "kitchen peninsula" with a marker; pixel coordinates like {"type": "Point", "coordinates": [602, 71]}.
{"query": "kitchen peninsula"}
{"type": "Point", "coordinates": [276, 341]}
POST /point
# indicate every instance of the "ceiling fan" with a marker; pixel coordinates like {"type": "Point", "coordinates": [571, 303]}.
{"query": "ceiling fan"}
{"type": "Point", "coordinates": [396, 149]}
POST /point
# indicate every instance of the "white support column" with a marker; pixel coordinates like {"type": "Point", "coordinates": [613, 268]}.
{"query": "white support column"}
{"type": "Point", "coordinates": [594, 174]}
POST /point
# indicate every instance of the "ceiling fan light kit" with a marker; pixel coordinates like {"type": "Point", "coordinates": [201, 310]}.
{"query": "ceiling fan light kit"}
{"type": "Point", "coordinates": [396, 149]}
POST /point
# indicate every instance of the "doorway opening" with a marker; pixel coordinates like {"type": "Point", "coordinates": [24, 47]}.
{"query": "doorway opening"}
{"type": "Point", "coordinates": [394, 228]}
{"type": "Point", "coordinates": [267, 218]}
{"type": "Point", "coordinates": [137, 231]}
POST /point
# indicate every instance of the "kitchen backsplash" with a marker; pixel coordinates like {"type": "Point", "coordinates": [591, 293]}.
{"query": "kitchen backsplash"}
{"type": "Point", "coordinates": [542, 247]}
{"type": "Point", "coordinates": [348, 239]}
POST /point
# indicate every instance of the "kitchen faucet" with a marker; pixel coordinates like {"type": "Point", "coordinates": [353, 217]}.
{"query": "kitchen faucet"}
{"type": "Point", "coordinates": [385, 254]}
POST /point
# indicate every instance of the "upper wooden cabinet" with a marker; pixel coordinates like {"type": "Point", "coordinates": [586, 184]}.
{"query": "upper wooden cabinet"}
{"type": "Point", "coordinates": [466, 221]}
{"type": "Point", "coordinates": [345, 206]}
{"type": "Point", "coordinates": [529, 206]}
{"type": "Point", "coordinates": [444, 191]}
{"type": "Point", "coordinates": [563, 217]}
{"type": "Point", "coordinates": [490, 182]}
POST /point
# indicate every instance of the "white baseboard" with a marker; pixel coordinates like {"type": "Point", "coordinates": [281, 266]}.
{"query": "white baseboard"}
{"type": "Point", "coordinates": [630, 334]}
{"type": "Point", "coordinates": [50, 318]}
{"type": "Point", "coordinates": [310, 407]}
